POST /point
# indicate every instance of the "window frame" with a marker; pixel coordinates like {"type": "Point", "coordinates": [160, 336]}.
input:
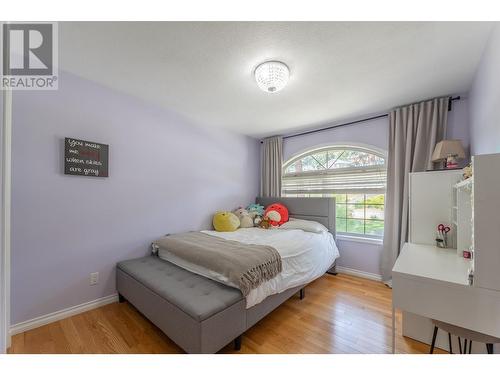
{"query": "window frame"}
{"type": "Point", "coordinates": [366, 149]}
{"type": "Point", "coordinates": [337, 171]}
{"type": "Point", "coordinates": [364, 220]}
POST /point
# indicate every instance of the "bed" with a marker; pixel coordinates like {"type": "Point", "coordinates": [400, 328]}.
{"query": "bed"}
{"type": "Point", "coordinates": [203, 313]}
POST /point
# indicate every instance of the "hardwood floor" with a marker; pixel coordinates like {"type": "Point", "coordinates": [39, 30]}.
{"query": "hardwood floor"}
{"type": "Point", "coordinates": [340, 314]}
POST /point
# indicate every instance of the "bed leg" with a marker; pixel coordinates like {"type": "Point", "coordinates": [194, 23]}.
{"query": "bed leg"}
{"type": "Point", "coordinates": [302, 293]}
{"type": "Point", "coordinates": [237, 342]}
{"type": "Point", "coordinates": [332, 271]}
{"type": "Point", "coordinates": [121, 299]}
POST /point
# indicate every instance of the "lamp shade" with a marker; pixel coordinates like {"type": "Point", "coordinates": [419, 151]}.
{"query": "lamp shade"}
{"type": "Point", "coordinates": [447, 148]}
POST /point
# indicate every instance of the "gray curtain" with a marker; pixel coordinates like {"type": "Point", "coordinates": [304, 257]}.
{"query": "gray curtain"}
{"type": "Point", "coordinates": [271, 161]}
{"type": "Point", "coordinates": [414, 131]}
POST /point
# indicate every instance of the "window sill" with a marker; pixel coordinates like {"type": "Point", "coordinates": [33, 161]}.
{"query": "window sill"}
{"type": "Point", "coordinates": [346, 237]}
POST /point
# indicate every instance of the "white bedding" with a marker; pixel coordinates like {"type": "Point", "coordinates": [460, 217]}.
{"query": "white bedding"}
{"type": "Point", "coordinates": [305, 257]}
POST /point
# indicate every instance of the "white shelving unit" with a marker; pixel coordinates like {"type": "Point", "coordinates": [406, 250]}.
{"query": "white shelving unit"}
{"type": "Point", "coordinates": [477, 224]}
{"type": "Point", "coordinates": [462, 222]}
{"type": "Point", "coordinates": [485, 223]}
{"type": "Point", "coordinates": [433, 283]}
{"type": "Point", "coordinates": [471, 207]}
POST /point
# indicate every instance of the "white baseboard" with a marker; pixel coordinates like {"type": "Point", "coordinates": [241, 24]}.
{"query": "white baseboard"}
{"type": "Point", "coordinates": [61, 314]}
{"type": "Point", "coordinates": [78, 309]}
{"type": "Point", "coordinates": [363, 274]}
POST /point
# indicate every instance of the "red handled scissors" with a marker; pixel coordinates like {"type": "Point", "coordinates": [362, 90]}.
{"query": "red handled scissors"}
{"type": "Point", "coordinates": [443, 228]}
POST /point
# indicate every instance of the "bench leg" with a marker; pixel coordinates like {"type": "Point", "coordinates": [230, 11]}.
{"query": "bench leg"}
{"type": "Point", "coordinates": [302, 293]}
{"type": "Point", "coordinates": [121, 299]}
{"type": "Point", "coordinates": [237, 342]}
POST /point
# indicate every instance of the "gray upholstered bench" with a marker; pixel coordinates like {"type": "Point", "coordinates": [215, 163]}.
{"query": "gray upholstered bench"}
{"type": "Point", "coordinates": [198, 314]}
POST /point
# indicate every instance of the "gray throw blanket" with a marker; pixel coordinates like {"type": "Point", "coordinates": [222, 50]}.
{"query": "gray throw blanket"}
{"type": "Point", "coordinates": [246, 266]}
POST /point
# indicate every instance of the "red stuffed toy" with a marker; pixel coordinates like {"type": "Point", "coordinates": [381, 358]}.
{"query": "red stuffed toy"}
{"type": "Point", "coordinates": [277, 214]}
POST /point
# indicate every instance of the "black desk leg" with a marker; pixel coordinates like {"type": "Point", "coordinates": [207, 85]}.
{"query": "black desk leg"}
{"type": "Point", "coordinates": [433, 339]}
{"type": "Point", "coordinates": [489, 348]}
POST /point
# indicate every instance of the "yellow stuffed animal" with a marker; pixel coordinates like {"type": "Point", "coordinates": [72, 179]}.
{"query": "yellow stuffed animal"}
{"type": "Point", "coordinates": [225, 221]}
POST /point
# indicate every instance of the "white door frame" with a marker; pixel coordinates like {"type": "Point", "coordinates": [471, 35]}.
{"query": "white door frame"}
{"type": "Point", "coordinates": [5, 205]}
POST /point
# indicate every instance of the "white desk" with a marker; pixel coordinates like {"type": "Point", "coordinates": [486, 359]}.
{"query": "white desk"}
{"type": "Point", "coordinates": [433, 283]}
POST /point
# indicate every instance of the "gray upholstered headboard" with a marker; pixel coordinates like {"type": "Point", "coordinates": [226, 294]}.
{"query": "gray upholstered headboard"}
{"type": "Point", "coordinates": [321, 210]}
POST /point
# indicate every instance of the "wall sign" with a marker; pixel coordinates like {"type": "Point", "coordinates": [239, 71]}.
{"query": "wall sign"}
{"type": "Point", "coordinates": [84, 158]}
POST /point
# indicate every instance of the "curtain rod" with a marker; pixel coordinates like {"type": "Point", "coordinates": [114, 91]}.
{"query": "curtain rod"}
{"type": "Point", "coordinates": [352, 122]}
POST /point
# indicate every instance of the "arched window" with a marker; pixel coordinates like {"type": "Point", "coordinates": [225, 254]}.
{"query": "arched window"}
{"type": "Point", "coordinates": [355, 176]}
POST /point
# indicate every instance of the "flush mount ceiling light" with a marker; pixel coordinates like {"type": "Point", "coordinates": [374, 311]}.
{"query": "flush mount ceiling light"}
{"type": "Point", "coordinates": [272, 76]}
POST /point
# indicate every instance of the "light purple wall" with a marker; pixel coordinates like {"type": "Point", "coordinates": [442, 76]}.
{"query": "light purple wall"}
{"type": "Point", "coordinates": [166, 175]}
{"type": "Point", "coordinates": [375, 133]}
{"type": "Point", "coordinates": [370, 133]}
{"type": "Point", "coordinates": [458, 122]}
{"type": "Point", "coordinates": [485, 100]}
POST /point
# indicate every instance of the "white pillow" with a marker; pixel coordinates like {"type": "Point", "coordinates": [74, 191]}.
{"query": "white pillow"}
{"type": "Point", "coordinates": [305, 225]}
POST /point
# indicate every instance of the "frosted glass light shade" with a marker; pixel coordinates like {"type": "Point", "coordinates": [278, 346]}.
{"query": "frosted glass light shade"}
{"type": "Point", "coordinates": [272, 76]}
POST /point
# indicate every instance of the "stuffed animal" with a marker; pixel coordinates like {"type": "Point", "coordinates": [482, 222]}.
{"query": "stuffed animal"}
{"type": "Point", "coordinates": [277, 214]}
{"type": "Point", "coordinates": [265, 223]}
{"type": "Point", "coordinates": [256, 212]}
{"type": "Point", "coordinates": [246, 220]}
{"type": "Point", "coordinates": [255, 209]}
{"type": "Point", "coordinates": [467, 172]}
{"type": "Point", "coordinates": [225, 221]}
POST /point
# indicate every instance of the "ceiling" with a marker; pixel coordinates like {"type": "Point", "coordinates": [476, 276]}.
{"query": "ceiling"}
{"type": "Point", "coordinates": [338, 70]}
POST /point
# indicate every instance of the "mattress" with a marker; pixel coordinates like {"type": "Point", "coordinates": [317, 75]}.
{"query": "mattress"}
{"type": "Point", "coordinates": [305, 257]}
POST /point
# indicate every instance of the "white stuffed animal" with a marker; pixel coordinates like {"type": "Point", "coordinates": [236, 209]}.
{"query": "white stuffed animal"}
{"type": "Point", "coordinates": [246, 220]}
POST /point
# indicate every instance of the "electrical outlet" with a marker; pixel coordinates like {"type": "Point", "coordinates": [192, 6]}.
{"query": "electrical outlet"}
{"type": "Point", "coordinates": [94, 278]}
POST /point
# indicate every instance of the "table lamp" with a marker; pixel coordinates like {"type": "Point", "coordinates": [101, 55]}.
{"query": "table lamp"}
{"type": "Point", "coordinates": [449, 151]}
